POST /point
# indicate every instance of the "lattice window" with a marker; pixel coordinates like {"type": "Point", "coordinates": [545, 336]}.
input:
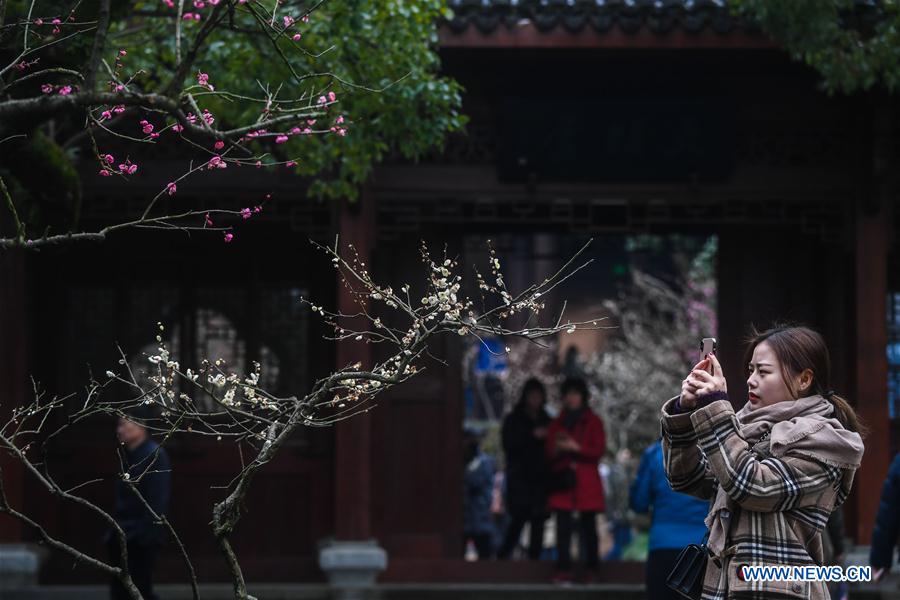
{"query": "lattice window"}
{"type": "Point", "coordinates": [267, 325]}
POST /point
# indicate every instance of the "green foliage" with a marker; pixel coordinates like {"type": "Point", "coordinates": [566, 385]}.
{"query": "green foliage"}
{"type": "Point", "coordinates": [854, 47]}
{"type": "Point", "coordinates": [378, 56]}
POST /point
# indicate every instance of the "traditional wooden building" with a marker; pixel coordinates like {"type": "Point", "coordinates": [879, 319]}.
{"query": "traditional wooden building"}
{"type": "Point", "coordinates": [601, 118]}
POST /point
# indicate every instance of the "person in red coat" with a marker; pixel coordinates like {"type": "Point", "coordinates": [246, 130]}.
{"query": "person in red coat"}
{"type": "Point", "coordinates": [575, 441]}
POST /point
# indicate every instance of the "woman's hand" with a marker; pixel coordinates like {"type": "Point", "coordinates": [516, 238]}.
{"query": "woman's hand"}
{"type": "Point", "coordinates": [701, 382]}
{"type": "Point", "coordinates": [567, 443]}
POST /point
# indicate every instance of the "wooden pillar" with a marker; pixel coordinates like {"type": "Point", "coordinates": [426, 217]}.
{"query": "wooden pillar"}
{"type": "Point", "coordinates": [353, 473]}
{"type": "Point", "coordinates": [870, 394]}
{"type": "Point", "coordinates": [13, 376]}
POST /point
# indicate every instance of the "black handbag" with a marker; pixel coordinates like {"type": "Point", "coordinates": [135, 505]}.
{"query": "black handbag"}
{"type": "Point", "coordinates": [561, 480]}
{"type": "Point", "coordinates": [686, 578]}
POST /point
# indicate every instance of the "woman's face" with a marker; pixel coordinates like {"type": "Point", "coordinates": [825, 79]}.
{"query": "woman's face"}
{"type": "Point", "coordinates": [765, 384]}
{"type": "Point", "coordinates": [573, 400]}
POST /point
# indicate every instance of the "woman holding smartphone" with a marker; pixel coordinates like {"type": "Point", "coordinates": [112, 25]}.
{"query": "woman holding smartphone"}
{"type": "Point", "coordinates": [774, 470]}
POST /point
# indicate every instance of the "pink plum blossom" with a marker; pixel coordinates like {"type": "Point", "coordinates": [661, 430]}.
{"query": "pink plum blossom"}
{"type": "Point", "coordinates": [177, 128]}
{"type": "Point", "coordinates": [219, 145]}
{"type": "Point", "coordinates": [119, 109]}
{"type": "Point", "coordinates": [122, 52]}
{"type": "Point", "coordinates": [288, 21]}
{"type": "Point", "coordinates": [38, 22]}
{"type": "Point", "coordinates": [305, 18]}
{"type": "Point", "coordinates": [331, 96]}
{"type": "Point", "coordinates": [105, 115]}
{"type": "Point", "coordinates": [228, 237]}
{"type": "Point", "coordinates": [202, 78]}
{"type": "Point", "coordinates": [281, 139]}
{"type": "Point", "coordinates": [209, 222]}
{"type": "Point", "coordinates": [290, 163]}
{"type": "Point", "coordinates": [109, 159]}
{"type": "Point", "coordinates": [47, 88]}
{"type": "Point", "coordinates": [296, 37]}
{"type": "Point", "coordinates": [339, 120]}
{"type": "Point", "coordinates": [245, 213]}
{"type": "Point", "coordinates": [105, 172]}
{"type": "Point", "coordinates": [146, 127]}
{"type": "Point", "coordinates": [128, 167]}
{"type": "Point", "coordinates": [171, 188]}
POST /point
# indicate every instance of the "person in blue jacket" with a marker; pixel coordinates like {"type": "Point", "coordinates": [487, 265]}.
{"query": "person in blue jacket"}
{"type": "Point", "coordinates": [887, 523]}
{"type": "Point", "coordinates": [677, 520]}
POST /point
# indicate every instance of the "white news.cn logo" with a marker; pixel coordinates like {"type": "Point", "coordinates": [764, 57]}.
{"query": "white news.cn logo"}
{"type": "Point", "coordinates": [805, 573]}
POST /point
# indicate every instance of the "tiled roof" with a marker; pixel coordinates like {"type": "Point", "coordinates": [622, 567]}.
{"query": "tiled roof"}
{"type": "Point", "coordinates": [574, 15]}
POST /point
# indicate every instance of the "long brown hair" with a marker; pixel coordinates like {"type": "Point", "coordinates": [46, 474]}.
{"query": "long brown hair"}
{"type": "Point", "coordinates": [799, 348]}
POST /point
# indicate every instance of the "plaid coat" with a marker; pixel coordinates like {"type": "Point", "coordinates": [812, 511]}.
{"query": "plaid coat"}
{"type": "Point", "coordinates": [773, 510]}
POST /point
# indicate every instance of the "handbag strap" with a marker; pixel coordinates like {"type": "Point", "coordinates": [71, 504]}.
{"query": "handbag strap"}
{"type": "Point", "coordinates": [705, 539]}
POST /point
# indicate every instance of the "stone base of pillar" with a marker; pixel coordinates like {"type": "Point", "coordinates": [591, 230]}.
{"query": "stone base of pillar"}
{"type": "Point", "coordinates": [19, 565]}
{"type": "Point", "coordinates": [352, 567]}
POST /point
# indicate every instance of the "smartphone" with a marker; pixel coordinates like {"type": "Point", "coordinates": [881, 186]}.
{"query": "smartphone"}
{"type": "Point", "coordinates": [707, 345]}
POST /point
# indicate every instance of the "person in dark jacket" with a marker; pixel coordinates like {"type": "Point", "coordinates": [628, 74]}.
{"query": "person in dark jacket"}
{"type": "Point", "coordinates": [146, 467]}
{"type": "Point", "coordinates": [677, 520]}
{"type": "Point", "coordinates": [478, 485]}
{"type": "Point", "coordinates": [575, 442]}
{"type": "Point", "coordinates": [524, 432]}
{"type": "Point", "coordinates": [887, 523]}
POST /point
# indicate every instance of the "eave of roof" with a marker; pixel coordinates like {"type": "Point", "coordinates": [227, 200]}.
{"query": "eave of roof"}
{"type": "Point", "coordinates": [660, 16]}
